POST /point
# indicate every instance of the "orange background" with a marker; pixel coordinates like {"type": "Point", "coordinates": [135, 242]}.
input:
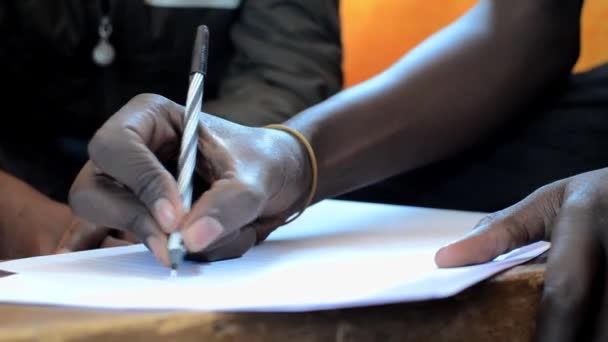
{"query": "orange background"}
{"type": "Point", "coordinates": [378, 32]}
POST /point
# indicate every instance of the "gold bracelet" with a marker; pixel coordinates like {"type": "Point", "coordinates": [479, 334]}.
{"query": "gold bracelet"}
{"type": "Point", "coordinates": [313, 165]}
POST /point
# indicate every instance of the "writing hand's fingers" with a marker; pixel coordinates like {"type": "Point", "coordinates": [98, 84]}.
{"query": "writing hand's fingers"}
{"type": "Point", "coordinates": [82, 235]}
{"type": "Point", "coordinates": [229, 247]}
{"type": "Point", "coordinates": [125, 148]}
{"type": "Point", "coordinates": [125, 236]}
{"type": "Point", "coordinates": [265, 226]}
{"type": "Point", "coordinates": [573, 261]}
{"type": "Point", "coordinates": [100, 200]}
{"type": "Point", "coordinates": [235, 245]}
{"type": "Point", "coordinates": [106, 242]}
{"type": "Point", "coordinates": [223, 210]}
{"type": "Point", "coordinates": [110, 241]}
{"type": "Point", "coordinates": [518, 225]}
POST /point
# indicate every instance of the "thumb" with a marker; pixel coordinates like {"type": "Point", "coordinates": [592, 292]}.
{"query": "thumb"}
{"type": "Point", "coordinates": [222, 211]}
{"type": "Point", "coordinates": [505, 230]}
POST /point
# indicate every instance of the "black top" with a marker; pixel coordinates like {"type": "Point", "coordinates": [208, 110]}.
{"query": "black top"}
{"type": "Point", "coordinates": [268, 60]}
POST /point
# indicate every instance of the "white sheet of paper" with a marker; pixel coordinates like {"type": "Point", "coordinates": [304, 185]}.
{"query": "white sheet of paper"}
{"type": "Point", "coordinates": [338, 254]}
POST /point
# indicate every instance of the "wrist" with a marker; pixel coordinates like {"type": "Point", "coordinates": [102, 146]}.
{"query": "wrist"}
{"type": "Point", "coordinates": [297, 178]}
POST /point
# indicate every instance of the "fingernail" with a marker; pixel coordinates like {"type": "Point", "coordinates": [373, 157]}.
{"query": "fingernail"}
{"type": "Point", "coordinates": [202, 233]}
{"type": "Point", "coordinates": [165, 214]}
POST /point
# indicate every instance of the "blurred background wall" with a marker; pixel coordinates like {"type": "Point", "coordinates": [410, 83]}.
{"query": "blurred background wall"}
{"type": "Point", "coordinates": [377, 32]}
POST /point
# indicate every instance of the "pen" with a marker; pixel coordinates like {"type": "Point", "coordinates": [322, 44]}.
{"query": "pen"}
{"type": "Point", "coordinates": [187, 154]}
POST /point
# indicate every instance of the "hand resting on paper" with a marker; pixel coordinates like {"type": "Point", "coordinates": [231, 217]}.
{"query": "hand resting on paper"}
{"type": "Point", "coordinates": [573, 214]}
{"type": "Point", "coordinates": [250, 189]}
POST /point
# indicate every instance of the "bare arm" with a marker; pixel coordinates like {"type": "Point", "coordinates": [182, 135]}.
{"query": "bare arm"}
{"type": "Point", "coordinates": [454, 89]}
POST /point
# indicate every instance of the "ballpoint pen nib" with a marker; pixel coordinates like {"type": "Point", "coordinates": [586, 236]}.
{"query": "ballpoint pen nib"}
{"type": "Point", "coordinates": [173, 273]}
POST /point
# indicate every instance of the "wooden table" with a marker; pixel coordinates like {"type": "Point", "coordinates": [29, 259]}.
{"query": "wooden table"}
{"type": "Point", "coordinates": [500, 309]}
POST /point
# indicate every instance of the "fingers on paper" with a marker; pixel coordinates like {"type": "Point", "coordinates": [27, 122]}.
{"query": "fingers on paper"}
{"type": "Point", "coordinates": [222, 211]}
{"type": "Point", "coordinates": [228, 247]}
{"type": "Point", "coordinates": [83, 236]}
{"type": "Point", "coordinates": [503, 231]}
{"type": "Point", "coordinates": [99, 199]}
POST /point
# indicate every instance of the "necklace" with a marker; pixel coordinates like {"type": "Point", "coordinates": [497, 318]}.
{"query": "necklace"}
{"type": "Point", "coordinates": [104, 53]}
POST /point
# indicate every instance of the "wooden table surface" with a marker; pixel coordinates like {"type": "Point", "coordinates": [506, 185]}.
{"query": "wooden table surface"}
{"type": "Point", "coordinates": [500, 309]}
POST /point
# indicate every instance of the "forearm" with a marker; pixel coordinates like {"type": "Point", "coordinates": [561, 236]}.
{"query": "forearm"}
{"type": "Point", "coordinates": [453, 90]}
{"type": "Point", "coordinates": [23, 212]}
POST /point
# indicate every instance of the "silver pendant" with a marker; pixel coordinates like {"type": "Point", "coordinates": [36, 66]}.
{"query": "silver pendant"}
{"type": "Point", "coordinates": [104, 53]}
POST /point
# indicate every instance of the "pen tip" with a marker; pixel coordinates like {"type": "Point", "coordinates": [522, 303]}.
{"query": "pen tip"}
{"type": "Point", "coordinates": [173, 270]}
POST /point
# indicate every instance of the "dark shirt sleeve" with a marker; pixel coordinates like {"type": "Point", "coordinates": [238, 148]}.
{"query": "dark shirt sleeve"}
{"type": "Point", "coordinates": [288, 57]}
